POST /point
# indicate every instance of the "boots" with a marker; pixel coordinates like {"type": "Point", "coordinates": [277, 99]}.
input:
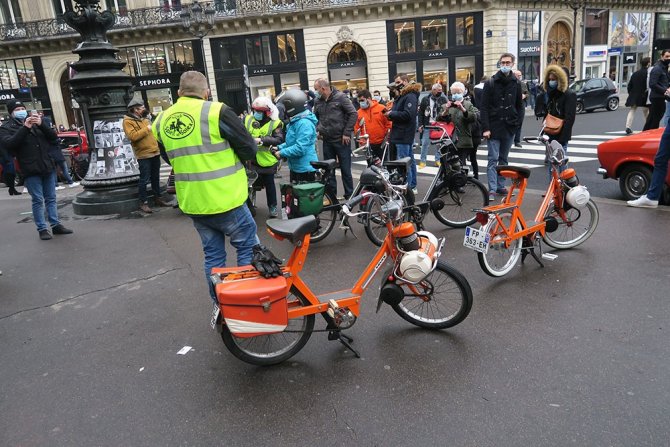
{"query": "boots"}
{"type": "Point", "coordinates": [9, 181]}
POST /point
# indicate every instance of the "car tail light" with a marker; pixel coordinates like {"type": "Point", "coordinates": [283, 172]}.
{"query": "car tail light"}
{"type": "Point", "coordinates": [482, 218]}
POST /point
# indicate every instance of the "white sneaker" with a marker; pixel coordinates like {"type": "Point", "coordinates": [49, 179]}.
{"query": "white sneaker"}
{"type": "Point", "coordinates": [415, 191]}
{"type": "Point", "coordinates": [58, 188]}
{"type": "Point", "coordinates": [643, 202]}
{"type": "Point", "coordinates": [73, 184]}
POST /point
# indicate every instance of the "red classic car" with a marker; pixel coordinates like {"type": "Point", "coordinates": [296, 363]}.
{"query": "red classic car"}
{"type": "Point", "coordinates": [75, 141]}
{"type": "Point", "coordinates": [631, 160]}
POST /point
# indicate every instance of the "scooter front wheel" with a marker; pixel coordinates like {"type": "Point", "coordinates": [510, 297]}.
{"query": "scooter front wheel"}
{"type": "Point", "coordinates": [265, 350]}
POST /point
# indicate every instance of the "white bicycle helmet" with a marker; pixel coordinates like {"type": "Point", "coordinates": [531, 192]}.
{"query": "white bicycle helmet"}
{"type": "Point", "coordinates": [578, 197]}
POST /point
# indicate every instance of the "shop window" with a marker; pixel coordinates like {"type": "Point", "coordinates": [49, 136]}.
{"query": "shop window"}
{"type": "Point", "coordinates": [408, 68]}
{"type": "Point", "coordinates": [128, 56]}
{"type": "Point", "coordinates": [434, 34]}
{"type": "Point", "coordinates": [465, 69]}
{"type": "Point", "coordinates": [10, 12]}
{"type": "Point", "coordinates": [529, 25]}
{"type": "Point", "coordinates": [465, 30]}
{"type": "Point", "coordinates": [262, 86]}
{"type": "Point", "coordinates": [595, 27]}
{"type": "Point", "coordinates": [228, 53]}
{"type": "Point", "coordinates": [26, 73]}
{"type": "Point", "coordinates": [8, 77]}
{"type": "Point", "coordinates": [152, 60]}
{"type": "Point", "coordinates": [258, 50]}
{"type": "Point", "coordinates": [158, 100]}
{"type": "Point", "coordinates": [346, 52]}
{"type": "Point", "coordinates": [435, 71]}
{"type": "Point", "coordinates": [184, 53]}
{"type": "Point", "coordinates": [529, 66]}
{"type": "Point", "coordinates": [663, 26]}
{"type": "Point", "coordinates": [289, 80]}
{"type": "Point", "coordinates": [404, 37]}
{"type": "Point", "coordinates": [287, 48]}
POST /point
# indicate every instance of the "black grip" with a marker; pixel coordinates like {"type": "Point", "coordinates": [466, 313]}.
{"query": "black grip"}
{"type": "Point", "coordinates": [351, 203]}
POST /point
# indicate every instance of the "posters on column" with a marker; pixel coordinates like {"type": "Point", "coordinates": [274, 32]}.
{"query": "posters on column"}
{"type": "Point", "coordinates": [113, 155]}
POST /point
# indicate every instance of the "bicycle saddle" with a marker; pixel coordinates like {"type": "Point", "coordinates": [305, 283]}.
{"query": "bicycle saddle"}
{"type": "Point", "coordinates": [328, 165]}
{"type": "Point", "coordinates": [399, 163]}
{"type": "Point", "coordinates": [523, 172]}
{"type": "Point", "coordinates": [292, 229]}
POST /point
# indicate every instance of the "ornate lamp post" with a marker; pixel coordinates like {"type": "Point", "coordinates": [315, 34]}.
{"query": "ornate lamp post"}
{"type": "Point", "coordinates": [198, 22]}
{"type": "Point", "coordinates": [575, 5]}
{"type": "Point", "coordinates": [103, 90]}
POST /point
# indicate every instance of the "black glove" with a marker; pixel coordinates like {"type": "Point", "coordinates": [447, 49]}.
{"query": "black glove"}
{"type": "Point", "coordinates": [266, 262]}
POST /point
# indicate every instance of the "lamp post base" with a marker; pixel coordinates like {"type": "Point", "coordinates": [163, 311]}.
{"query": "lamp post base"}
{"type": "Point", "coordinates": [116, 200]}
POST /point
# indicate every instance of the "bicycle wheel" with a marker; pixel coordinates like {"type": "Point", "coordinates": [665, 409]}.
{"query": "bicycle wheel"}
{"type": "Point", "coordinates": [375, 227]}
{"type": "Point", "coordinates": [500, 259]}
{"type": "Point", "coordinates": [325, 220]}
{"type": "Point", "coordinates": [441, 300]}
{"type": "Point", "coordinates": [271, 349]}
{"type": "Point", "coordinates": [459, 203]}
{"type": "Point", "coordinates": [79, 169]}
{"type": "Point", "coordinates": [578, 226]}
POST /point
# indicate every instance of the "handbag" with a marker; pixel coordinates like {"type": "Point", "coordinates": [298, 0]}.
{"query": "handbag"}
{"type": "Point", "coordinates": [552, 125]}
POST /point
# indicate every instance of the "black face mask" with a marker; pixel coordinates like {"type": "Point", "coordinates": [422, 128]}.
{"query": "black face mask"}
{"type": "Point", "coordinates": [665, 62]}
{"type": "Point", "coordinates": [393, 93]}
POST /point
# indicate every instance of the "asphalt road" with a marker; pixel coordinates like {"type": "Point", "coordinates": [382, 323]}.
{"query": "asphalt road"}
{"type": "Point", "coordinates": [576, 353]}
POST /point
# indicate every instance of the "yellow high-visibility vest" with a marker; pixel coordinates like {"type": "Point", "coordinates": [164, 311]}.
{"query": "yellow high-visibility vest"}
{"type": "Point", "coordinates": [264, 157]}
{"type": "Point", "coordinates": [209, 177]}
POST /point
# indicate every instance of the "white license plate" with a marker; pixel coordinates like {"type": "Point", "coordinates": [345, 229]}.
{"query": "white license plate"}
{"type": "Point", "coordinates": [215, 316]}
{"type": "Point", "coordinates": [476, 239]}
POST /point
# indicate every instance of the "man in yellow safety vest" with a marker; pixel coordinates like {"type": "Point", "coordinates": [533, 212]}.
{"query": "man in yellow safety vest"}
{"type": "Point", "coordinates": [207, 144]}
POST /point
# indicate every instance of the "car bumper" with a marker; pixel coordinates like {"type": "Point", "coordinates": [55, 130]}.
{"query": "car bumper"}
{"type": "Point", "coordinates": [602, 171]}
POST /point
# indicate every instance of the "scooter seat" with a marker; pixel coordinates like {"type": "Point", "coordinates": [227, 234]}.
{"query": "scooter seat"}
{"type": "Point", "coordinates": [520, 171]}
{"type": "Point", "coordinates": [292, 229]}
{"type": "Point", "coordinates": [328, 165]}
{"type": "Point", "coordinates": [399, 163]}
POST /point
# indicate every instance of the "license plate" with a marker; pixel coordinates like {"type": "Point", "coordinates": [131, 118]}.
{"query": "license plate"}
{"type": "Point", "coordinates": [215, 316]}
{"type": "Point", "coordinates": [476, 239]}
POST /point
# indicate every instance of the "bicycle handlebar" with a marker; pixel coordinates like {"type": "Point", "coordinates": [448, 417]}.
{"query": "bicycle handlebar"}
{"type": "Point", "coordinates": [351, 203]}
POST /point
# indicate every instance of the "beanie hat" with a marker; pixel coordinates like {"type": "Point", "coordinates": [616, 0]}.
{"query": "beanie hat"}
{"type": "Point", "coordinates": [135, 103]}
{"type": "Point", "coordinates": [13, 104]}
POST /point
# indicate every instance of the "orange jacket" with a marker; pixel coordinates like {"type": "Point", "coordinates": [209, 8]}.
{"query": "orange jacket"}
{"type": "Point", "coordinates": [376, 123]}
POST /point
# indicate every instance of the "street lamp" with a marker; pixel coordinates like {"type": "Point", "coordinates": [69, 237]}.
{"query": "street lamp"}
{"type": "Point", "coordinates": [198, 22]}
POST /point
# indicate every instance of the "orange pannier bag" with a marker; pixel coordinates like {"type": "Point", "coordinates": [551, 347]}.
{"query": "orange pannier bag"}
{"type": "Point", "coordinates": [254, 306]}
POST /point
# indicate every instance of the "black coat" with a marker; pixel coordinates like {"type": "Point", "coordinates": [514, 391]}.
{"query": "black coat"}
{"type": "Point", "coordinates": [336, 115]}
{"type": "Point", "coordinates": [561, 105]}
{"type": "Point", "coordinates": [637, 89]}
{"type": "Point", "coordinates": [403, 115]}
{"type": "Point", "coordinates": [425, 104]}
{"type": "Point", "coordinates": [501, 106]}
{"type": "Point", "coordinates": [29, 146]}
{"type": "Point", "coordinates": [659, 81]}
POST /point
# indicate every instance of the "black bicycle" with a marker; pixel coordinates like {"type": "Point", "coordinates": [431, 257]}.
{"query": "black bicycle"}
{"type": "Point", "coordinates": [453, 184]}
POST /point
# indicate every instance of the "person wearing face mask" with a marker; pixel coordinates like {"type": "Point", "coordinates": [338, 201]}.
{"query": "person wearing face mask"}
{"type": "Point", "coordinates": [429, 109]}
{"type": "Point", "coordinates": [377, 96]}
{"type": "Point", "coordinates": [267, 130]}
{"type": "Point", "coordinates": [460, 111]}
{"type": "Point", "coordinates": [29, 138]}
{"type": "Point", "coordinates": [559, 101]}
{"type": "Point", "coordinates": [659, 87]}
{"type": "Point", "coordinates": [501, 111]}
{"type": "Point", "coordinates": [337, 116]}
{"type": "Point", "coordinates": [376, 125]}
{"type": "Point", "coordinates": [403, 116]}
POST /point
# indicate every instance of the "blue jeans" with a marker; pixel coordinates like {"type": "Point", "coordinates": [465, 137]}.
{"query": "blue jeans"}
{"type": "Point", "coordinates": [405, 150]}
{"type": "Point", "coordinates": [341, 153]}
{"type": "Point", "coordinates": [66, 172]}
{"type": "Point", "coordinates": [150, 170]}
{"type": "Point", "coordinates": [42, 189]}
{"type": "Point", "coordinates": [660, 166]}
{"type": "Point", "coordinates": [238, 225]}
{"type": "Point", "coordinates": [666, 118]}
{"type": "Point", "coordinates": [268, 181]}
{"type": "Point", "coordinates": [425, 145]}
{"type": "Point", "coordinates": [498, 152]}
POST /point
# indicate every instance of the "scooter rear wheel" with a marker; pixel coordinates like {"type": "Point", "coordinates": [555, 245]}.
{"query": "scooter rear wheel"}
{"type": "Point", "coordinates": [272, 349]}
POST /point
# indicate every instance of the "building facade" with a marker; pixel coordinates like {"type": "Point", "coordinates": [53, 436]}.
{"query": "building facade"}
{"type": "Point", "coordinates": [261, 47]}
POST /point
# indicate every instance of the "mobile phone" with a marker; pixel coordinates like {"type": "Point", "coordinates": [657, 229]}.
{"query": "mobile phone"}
{"type": "Point", "coordinates": [33, 113]}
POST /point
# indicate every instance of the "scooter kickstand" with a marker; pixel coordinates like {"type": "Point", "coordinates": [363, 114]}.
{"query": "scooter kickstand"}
{"type": "Point", "coordinates": [345, 340]}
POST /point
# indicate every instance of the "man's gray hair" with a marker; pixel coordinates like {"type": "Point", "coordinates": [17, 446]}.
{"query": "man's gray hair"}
{"type": "Point", "coordinates": [437, 86]}
{"type": "Point", "coordinates": [322, 82]}
{"type": "Point", "coordinates": [192, 83]}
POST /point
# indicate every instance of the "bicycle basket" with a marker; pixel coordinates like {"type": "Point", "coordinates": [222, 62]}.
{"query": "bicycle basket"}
{"type": "Point", "coordinates": [252, 307]}
{"type": "Point", "coordinates": [437, 134]}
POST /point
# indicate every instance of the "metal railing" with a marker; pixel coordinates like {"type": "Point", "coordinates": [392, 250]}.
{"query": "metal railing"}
{"type": "Point", "coordinates": [150, 17]}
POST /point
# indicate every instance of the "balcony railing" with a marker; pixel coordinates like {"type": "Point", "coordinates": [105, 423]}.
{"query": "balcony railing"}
{"type": "Point", "coordinates": [149, 17]}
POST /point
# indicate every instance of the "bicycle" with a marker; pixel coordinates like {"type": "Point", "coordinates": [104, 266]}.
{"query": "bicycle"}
{"type": "Point", "coordinates": [452, 183]}
{"type": "Point", "coordinates": [566, 217]}
{"type": "Point", "coordinates": [267, 321]}
{"type": "Point", "coordinates": [77, 165]}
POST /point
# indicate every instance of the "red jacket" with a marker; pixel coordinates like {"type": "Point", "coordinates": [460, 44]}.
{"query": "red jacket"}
{"type": "Point", "coordinates": [376, 123]}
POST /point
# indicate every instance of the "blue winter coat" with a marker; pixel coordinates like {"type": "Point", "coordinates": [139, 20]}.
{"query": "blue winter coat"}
{"type": "Point", "coordinates": [300, 146]}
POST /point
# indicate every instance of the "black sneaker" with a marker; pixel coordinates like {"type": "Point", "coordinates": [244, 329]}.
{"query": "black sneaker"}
{"type": "Point", "coordinates": [517, 145]}
{"type": "Point", "coordinates": [45, 235]}
{"type": "Point", "coordinates": [628, 131]}
{"type": "Point", "coordinates": [60, 229]}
